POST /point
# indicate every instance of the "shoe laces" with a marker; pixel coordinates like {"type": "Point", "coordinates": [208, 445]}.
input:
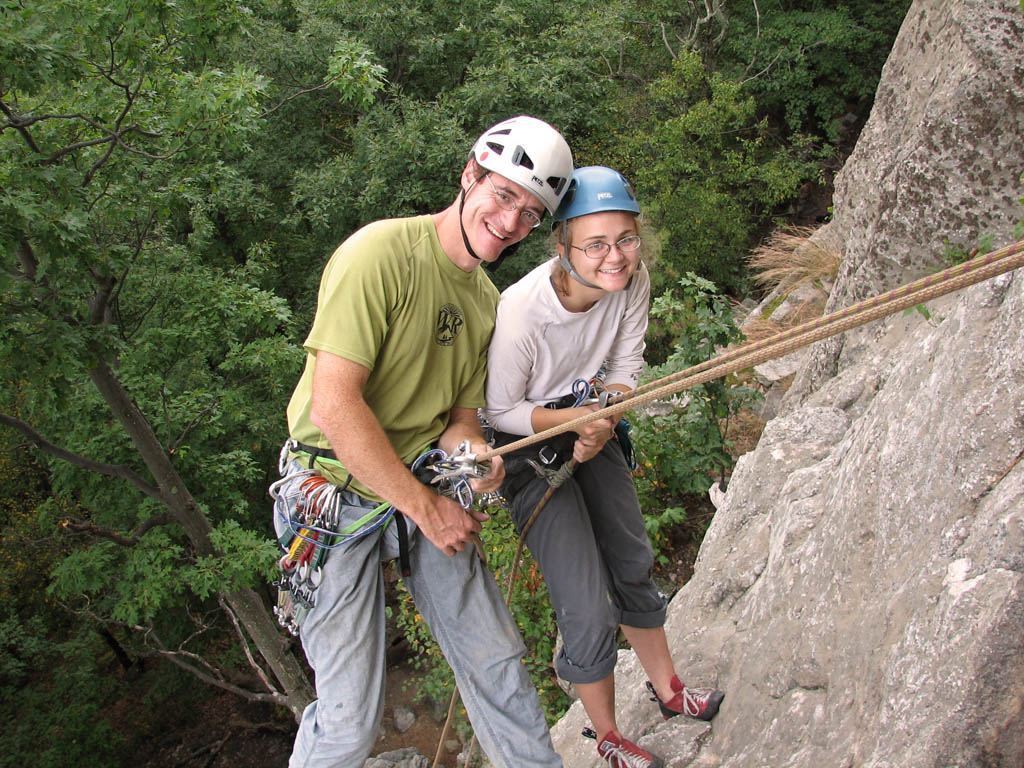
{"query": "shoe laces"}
{"type": "Point", "coordinates": [622, 753]}
{"type": "Point", "coordinates": [692, 701]}
{"type": "Point", "coordinates": [695, 700]}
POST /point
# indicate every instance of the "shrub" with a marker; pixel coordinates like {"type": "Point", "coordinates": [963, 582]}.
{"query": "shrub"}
{"type": "Point", "coordinates": [681, 452]}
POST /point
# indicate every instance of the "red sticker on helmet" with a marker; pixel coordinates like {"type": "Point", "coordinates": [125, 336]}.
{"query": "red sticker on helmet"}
{"type": "Point", "coordinates": [484, 154]}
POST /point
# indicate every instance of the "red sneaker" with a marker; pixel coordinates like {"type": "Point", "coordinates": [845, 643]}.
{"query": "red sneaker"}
{"type": "Point", "coordinates": [701, 703]}
{"type": "Point", "coordinates": [623, 753]}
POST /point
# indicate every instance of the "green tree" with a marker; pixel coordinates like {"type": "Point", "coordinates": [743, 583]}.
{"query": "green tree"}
{"type": "Point", "coordinates": [708, 171]}
{"type": "Point", "coordinates": [808, 63]}
{"type": "Point", "coordinates": [811, 64]}
{"type": "Point", "coordinates": [145, 353]}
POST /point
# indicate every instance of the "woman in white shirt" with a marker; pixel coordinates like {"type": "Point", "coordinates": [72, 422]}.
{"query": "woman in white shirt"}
{"type": "Point", "coordinates": [580, 317]}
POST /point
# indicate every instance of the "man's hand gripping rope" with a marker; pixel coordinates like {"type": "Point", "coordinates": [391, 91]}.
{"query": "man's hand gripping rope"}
{"type": "Point", "coordinates": [460, 477]}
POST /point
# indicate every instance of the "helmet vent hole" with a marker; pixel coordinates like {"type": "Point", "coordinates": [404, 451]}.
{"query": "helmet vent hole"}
{"type": "Point", "coordinates": [556, 183]}
{"type": "Point", "coordinates": [521, 158]}
{"type": "Point", "coordinates": [498, 148]}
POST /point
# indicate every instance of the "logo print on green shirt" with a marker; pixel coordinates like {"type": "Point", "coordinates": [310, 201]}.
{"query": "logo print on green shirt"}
{"type": "Point", "coordinates": [449, 324]}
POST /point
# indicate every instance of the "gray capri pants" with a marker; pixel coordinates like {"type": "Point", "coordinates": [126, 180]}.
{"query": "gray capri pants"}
{"type": "Point", "coordinates": [592, 547]}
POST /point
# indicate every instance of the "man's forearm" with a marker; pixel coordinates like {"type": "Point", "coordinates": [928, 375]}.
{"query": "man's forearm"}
{"type": "Point", "coordinates": [363, 448]}
{"type": "Point", "coordinates": [462, 426]}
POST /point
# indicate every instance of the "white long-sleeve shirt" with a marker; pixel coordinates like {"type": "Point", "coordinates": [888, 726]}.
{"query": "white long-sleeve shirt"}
{"type": "Point", "coordinates": [539, 348]}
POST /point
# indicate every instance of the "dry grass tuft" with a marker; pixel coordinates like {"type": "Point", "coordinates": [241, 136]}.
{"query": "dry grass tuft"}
{"type": "Point", "coordinates": [761, 328]}
{"type": "Point", "coordinates": [805, 311]}
{"type": "Point", "coordinates": [790, 259]}
{"type": "Point", "coordinates": [742, 432]}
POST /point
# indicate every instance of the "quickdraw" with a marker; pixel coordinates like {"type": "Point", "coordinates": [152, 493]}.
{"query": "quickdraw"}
{"type": "Point", "coordinates": [307, 518]}
{"type": "Point", "coordinates": [591, 392]}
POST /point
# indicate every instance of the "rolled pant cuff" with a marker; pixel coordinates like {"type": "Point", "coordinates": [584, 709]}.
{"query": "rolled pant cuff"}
{"type": "Point", "coordinates": [644, 620]}
{"type": "Point", "coordinates": [594, 673]}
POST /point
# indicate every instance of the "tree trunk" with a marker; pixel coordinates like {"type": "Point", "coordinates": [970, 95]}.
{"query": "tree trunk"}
{"type": "Point", "coordinates": [252, 614]}
{"type": "Point", "coordinates": [123, 658]}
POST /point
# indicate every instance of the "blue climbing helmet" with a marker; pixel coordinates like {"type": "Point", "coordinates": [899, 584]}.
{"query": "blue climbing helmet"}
{"type": "Point", "coordinates": [595, 189]}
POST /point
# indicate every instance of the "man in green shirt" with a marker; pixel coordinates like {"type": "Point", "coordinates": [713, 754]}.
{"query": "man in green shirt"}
{"type": "Point", "coordinates": [396, 361]}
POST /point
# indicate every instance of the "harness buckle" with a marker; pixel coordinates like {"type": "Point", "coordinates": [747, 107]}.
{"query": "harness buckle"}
{"type": "Point", "coordinates": [547, 455]}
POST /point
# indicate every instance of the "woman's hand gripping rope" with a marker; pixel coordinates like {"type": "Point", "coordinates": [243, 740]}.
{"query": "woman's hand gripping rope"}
{"type": "Point", "coordinates": [590, 396]}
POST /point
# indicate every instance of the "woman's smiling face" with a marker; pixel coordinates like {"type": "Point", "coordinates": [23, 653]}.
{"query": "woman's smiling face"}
{"type": "Point", "coordinates": [612, 271]}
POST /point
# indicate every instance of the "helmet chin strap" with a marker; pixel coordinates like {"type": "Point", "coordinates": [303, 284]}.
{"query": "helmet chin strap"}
{"type": "Point", "coordinates": [566, 263]}
{"type": "Point", "coordinates": [568, 267]}
{"type": "Point", "coordinates": [462, 229]}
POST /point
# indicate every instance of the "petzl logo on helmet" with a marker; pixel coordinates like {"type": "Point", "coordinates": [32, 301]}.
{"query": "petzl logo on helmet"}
{"type": "Point", "coordinates": [538, 182]}
{"type": "Point", "coordinates": [449, 324]}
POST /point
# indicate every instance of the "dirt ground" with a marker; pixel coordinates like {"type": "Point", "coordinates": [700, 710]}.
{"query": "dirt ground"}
{"type": "Point", "coordinates": [226, 732]}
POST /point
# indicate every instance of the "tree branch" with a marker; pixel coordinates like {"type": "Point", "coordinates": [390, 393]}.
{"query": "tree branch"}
{"type": "Point", "coordinates": [113, 138]}
{"type": "Point", "coordinates": [140, 241]}
{"type": "Point", "coordinates": [27, 259]}
{"type": "Point", "coordinates": [664, 37]}
{"type": "Point", "coordinates": [18, 125]}
{"type": "Point", "coordinates": [245, 646]}
{"type": "Point", "coordinates": [189, 427]}
{"type": "Point", "coordinates": [300, 92]}
{"type": "Point", "coordinates": [111, 470]}
{"type": "Point", "coordinates": [213, 677]}
{"type": "Point", "coordinates": [82, 526]}
{"type": "Point", "coordinates": [129, 101]}
{"type": "Point", "coordinates": [188, 661]}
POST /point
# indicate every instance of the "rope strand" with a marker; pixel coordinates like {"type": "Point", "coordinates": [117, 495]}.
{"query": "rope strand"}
{"type": "Point", "coordinates": [754, 353]}
{"type": "Point", "coordinates": [896, 293]}
{"type": "Point", "coordinates": [952, 279]}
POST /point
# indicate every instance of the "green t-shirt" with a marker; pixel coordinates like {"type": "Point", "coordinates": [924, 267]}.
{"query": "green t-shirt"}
{"type": "Point", "coordinates": [392, 301]}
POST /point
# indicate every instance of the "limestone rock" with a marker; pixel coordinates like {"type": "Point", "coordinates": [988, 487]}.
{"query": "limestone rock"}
{"type": "Point", "coordinates": [938, 161]}
{"type": "Point", "coordinates": [859, 595]}
{"type": "Point", "coordinates": [404, 718]}
{"type": "Point", "coordinates": [409, 757]}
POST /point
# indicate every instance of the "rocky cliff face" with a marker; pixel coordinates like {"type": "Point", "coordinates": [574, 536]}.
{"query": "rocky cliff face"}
{"type": "Point", "coordinates": [860, 593]}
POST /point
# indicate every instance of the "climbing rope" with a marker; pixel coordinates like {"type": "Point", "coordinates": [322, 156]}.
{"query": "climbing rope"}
{"type": "Point", "coordinates": [976, 270]}
{"type": "Point", "coordinates": [904, 297]}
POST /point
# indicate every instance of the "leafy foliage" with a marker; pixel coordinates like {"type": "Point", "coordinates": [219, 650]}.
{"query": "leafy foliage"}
{"type": "Point", "coordinates": [682, 451]}
{"type": "Point", "coordinates": [810, 63]}
{"type": "Point", "coordinates": [173, 177]}
{"type": "Point", "coordinates": [708, 171]}
{"type": "Point", "coordinates": [59, 723]}
{"type": "Point", "coordinates": [659, 525]}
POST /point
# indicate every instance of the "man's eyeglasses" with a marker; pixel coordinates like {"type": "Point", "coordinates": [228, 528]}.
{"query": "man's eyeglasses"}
{"type": "Point", "coordinates": [531, 219]}
{"type": "Point", "coordinates": [601, 249]}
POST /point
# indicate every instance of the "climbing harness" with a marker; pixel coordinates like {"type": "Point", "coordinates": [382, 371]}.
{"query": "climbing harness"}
{"type": "Point", "coordinates": [308, 512]}
{"type": "Point", "coordinates": [546, 464]}
{"type": "Point", "coordinates": [307, 520]}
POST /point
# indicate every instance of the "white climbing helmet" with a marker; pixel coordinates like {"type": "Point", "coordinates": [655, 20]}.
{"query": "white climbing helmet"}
{"type": "Point", "coordinates": [529, 152]}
